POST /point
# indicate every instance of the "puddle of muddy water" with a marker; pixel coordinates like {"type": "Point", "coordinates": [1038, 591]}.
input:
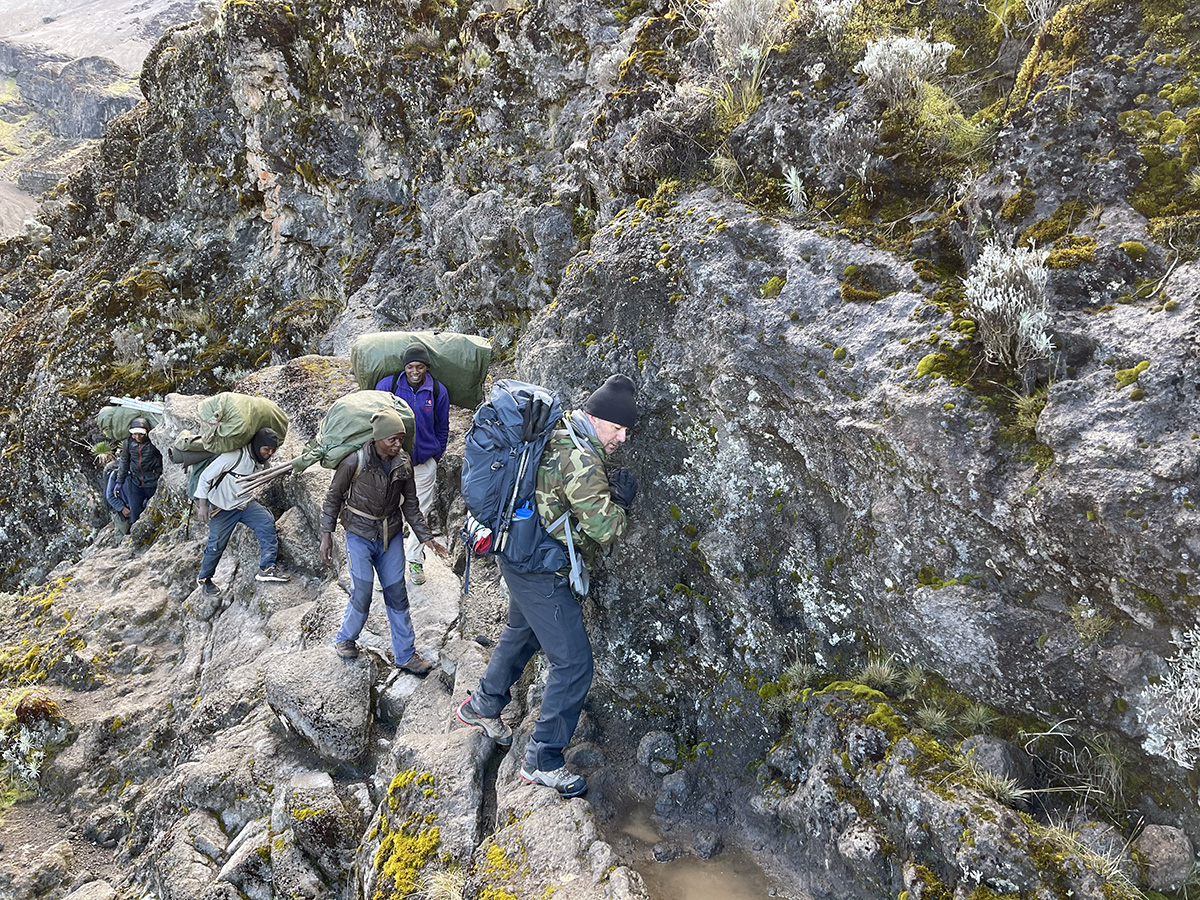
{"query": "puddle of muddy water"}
{"type": "Point", "coordinates": [730, 875]}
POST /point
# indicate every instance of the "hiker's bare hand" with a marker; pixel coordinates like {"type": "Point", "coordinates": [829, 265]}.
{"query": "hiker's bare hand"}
{"type": "Point", "coordinates": [438, 548]}
{"type": "Point", "coordinates": [326, 547]}
{"type": "Point", "coordinates": [202, 512]}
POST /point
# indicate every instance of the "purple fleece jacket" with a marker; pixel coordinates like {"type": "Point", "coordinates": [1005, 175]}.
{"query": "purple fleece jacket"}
{"type": "Point", "coordinates": [433, 418]}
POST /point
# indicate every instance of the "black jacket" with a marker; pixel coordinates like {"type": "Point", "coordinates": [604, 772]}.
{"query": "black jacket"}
{"type": "Point", "coordinates": [142, 461]}
{"type": "Point", "coordinates": [378, 494]}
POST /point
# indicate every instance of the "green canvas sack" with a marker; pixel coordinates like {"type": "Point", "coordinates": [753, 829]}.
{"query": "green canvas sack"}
{"type": "Point", "coordinates": [459, 361]}
{"type": "Point", "coordinates": [113, 421]}
{"type": "Point", "coordinates": [229, 420]}
{"type": "Point", "coordinates": [347, 426]}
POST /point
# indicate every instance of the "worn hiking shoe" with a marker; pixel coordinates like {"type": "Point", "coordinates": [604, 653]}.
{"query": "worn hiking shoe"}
{"type": "Point", "coordinates": [568, 784]}
{"type": "Point", "coordinates": [417, 571]}
{"type": "Point", "coordinates": [492, 727]}
{"type": "Point", "coordinates": [271, 573]}
{"type": "Point", "coordinates": [417, 665]}
{"type": "Point", "coordinates": [206, 585]}
{"type": "Point", "coordinates": [346, 649]}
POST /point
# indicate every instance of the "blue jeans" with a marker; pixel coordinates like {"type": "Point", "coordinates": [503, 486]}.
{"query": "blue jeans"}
{"type": "Point", "coordinates": [543, 614]}
{"type": "Point", "coordinates": [119, 502]}
{"type": "Point", "coordinates": [362, 556]}
{"type": "Point", "coordinates": [220, 528]}
{"type": "Point", "coordinates": [137, 496]}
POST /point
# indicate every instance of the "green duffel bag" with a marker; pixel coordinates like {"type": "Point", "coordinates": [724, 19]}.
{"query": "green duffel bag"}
{"type": "Point", "coordinates": [347, 426]}
{"type": "Point", "coordinates": [459, 361]}
{"type": "Point", "coordinates": [229, 420]}
{"type": "Point", "coordinates": [113, 421]}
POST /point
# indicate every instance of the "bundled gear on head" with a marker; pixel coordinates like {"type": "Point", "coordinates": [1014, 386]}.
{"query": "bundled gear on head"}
{"type": "Point", "coordinates": [115, 422]}
{"type": "Point", "coordinates": [228, 421]}
{"type": "Point", "coordinates": [458, 361]}
{"type": "Point", "coordinates": [350, 424]}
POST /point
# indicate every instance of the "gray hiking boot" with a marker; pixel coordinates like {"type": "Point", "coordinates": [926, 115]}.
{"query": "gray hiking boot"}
{"type": "Point", "coordinates": [346, 649]}
{"type": "Point", "coordinates": [492, 727]}
{"type": "Point", "coordinates": [206, 585]}
{"type": "Point", "coordinates": [568, 784]}
{"type": "Point", "coordinates": [271, 573]}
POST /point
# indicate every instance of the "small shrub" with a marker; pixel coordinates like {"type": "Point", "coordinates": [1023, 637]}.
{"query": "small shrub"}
{"type": "Point", "coordinates": [829, 19]}
{"type": "Point", "coordinates": [880, 672]}
{"type": "Point", "coordinates": [842, 147]}
{"type": "Point", "coordinates": [977, 718]}
{"type": "Point", "coordinates": [796, 195]}
{"type": "Point", "coordinates": [1175, 732]}
{"type": "Point", "coordinates": [913, 678]}
{"type": "Point", "coordinates": [897, 67]}
{"type": "Point", "coordinates": [1090, 624]}
{"type": "Point", "coordinates": [933, 718]}
{"type": "Point", "coordinates": [1006, 296]}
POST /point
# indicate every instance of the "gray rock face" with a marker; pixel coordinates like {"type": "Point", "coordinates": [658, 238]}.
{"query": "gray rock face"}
{"type": "Point", "coordinates": [657, 752]}
{"type": "Point", "coordinates": [830, 465]}
{"type": "Point", "coordinates": [93, 890]}
{"type": "Point", "coordinates": [325, 700]}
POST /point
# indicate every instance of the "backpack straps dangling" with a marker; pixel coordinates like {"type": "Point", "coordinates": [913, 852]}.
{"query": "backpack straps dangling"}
{"type": "Point", "coordinates": [578, 576]}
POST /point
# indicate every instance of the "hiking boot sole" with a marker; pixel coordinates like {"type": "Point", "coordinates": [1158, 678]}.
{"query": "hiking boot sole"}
{"type": "Point", "coordinates": [278, 579]}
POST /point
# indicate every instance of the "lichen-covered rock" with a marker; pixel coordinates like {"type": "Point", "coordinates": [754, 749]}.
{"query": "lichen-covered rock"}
{"type": "Point", "coordinates": [324, 700]}
{"type": "Point", "coordinates": [546, 842]}
{"type": "Point", "coordinates": [320, 825]}
{"type": "Point", "coordinates": [1168, 855]}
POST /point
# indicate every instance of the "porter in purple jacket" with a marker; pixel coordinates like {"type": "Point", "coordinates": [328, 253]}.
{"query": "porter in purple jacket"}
{"type": "Point", "coordinates": [431, 408]}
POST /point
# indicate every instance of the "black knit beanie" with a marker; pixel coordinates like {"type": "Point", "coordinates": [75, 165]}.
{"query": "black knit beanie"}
{"type": "Point", "coordinates": [416, 353]}
{"type": "Point", "coordinates": [264, 437]}
{"type": "Point", "coordinates": [614, 401]}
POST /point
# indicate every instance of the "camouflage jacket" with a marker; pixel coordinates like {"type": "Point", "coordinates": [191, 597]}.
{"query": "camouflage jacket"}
{"type": "Point", "coordinates": [570, 479]}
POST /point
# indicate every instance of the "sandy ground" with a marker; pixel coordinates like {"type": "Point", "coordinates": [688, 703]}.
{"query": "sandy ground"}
{"type": "Point", "coordinates": [15, 207]}
{"type": "Point", "coordinates": [122, 30]}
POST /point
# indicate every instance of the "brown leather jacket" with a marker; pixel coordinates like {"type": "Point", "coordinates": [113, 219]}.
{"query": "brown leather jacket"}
{"type": "Point", "coordinates": [366, 502]}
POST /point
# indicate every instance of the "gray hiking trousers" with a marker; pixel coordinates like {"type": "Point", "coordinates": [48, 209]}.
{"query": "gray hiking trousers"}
{"type": "Point", "coordinates": [543, 614]}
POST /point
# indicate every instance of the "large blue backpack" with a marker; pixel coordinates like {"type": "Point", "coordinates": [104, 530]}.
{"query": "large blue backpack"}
{"type": "Point", "coordinates": [504, 446]}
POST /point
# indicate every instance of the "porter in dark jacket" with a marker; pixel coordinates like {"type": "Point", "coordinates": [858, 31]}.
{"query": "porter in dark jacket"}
{"type": "Point", "coordinates": [373, 494]}
{"type": "Point", "coordinates": [138, 474]}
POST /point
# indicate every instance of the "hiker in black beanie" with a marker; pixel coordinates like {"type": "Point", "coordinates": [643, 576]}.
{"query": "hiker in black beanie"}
{"type": "Point", "coordinates": [575, 484]}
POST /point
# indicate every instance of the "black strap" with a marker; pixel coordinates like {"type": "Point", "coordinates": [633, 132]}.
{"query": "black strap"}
{"type": "Point", "coordinates": [437, 386]}
{"type": "Point", "coordinates": [216, 481]}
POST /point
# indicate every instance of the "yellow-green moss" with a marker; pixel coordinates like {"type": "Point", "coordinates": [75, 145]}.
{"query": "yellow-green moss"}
{"type": "Point", "coordinates": [1018, 206]}
{"type": "Point", "coordinates": [401, 856]}
{"type": "Point", "coordinates": [1071, 251]}
{"type": "Point", "coordinates": [1126, 377]}
{"type": "Point", "coordinates": [1135, 250]}
{"type": "Point", "coordinates": [1069, 214]}
{"type": "Point", "coordinates": [772, 287]}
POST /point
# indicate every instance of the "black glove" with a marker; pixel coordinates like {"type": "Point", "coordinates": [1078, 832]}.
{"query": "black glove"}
{"type": "Point", "coordinates": [622, 487]}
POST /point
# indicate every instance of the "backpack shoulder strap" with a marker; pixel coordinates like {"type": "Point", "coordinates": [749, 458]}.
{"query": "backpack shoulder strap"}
{"type": "Point", "coordinates": [360, 460]}
{"type": "Point", "coordinates": [437, 389]}
{"type": "Point", "coordinates": [237, 462]}
{"type": "Point", "coordinates": [395, 382]}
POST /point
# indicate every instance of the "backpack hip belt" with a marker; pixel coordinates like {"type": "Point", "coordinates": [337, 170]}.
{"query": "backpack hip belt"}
{"type": "Point", "coordinates": [367, 515]}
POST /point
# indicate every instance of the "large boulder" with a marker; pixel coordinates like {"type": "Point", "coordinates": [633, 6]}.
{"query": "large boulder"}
{"type": "Point", "coordinates": [325, 700]}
